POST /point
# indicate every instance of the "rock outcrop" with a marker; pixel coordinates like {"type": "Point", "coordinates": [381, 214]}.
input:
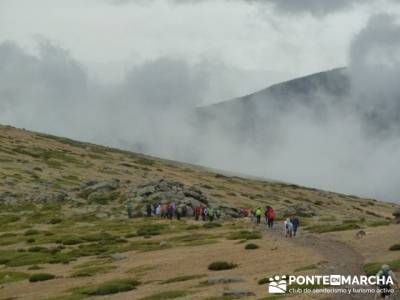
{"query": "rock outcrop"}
{"type": "Point", "coordinates": [165, 191]}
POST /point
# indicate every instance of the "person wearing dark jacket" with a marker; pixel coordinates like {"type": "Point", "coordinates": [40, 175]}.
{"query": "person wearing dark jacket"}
{"type": "Point", "coordinates": [148, 210]}
{"type": "Point", "coordinates": [296, 224]}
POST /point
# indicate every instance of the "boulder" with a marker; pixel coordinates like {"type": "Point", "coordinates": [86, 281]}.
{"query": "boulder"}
{"type": "Point", "coordinates": [8, 198]}
{"type": "Point", "coordinates": [118, 256]}
{"type": "Point", "coordinates": [300, 210]}
{"type": "Point", "coordinates": [105, 186]}
{"type": "Point", "coordinates": [61, 195]}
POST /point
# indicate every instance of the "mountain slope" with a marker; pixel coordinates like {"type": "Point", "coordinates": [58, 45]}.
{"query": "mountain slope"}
{"type": "Point", "coordinates": [261, 114]}
{"type": "Point", "coordinates": [65, 234]}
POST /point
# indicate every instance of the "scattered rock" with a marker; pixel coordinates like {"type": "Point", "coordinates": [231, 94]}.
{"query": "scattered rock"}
{"type": "Point", "coordinates": [163, 243]}
{"type": "Point", "coordinates": [102, 215]}
{"type": "Point", "coordinates": [218, 280]}
{"type": "Point", "coordinates": [8, 198]}
{"type": "Point", "coordinates": [10, 181]}
{"type": "Point", "coordinates": [118, 256]}
{"type": "Point", "coordinates": [94, 186]}
{"type": "Point", "coordinates": [300, 210]}
{"type": "Point", "coordinates": [238, 293]}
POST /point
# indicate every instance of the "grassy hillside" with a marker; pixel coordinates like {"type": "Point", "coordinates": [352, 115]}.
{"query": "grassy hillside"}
{"type": "Point", "coordinates": [61, 240]}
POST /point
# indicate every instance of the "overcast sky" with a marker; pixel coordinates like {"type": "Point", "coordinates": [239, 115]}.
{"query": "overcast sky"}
{"type": "Point", "coordinates": [129, 73]}
{"type": "Point", "coordinates": [255, 42]}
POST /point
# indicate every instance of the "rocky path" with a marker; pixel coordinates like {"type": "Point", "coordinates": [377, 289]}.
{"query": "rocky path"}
{"type": "Point", "coordinates": [340, 258]}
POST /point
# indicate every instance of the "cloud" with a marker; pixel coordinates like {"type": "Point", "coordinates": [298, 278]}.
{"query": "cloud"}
{"type": "Point", "coordinates": [375, 69]}
{"type": "Point", "coordinates": [318, 8]}
{"type": "Point", "coordinates": [315, 7]}
{"type": "Point", "coordinates": [351, 145]}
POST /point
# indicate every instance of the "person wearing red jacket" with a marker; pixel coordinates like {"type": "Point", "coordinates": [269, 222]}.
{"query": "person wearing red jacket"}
{"type": "Point", "coordinates": [270, 217]}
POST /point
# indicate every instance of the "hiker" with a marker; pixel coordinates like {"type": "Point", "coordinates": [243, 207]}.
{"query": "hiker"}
{"type": "Point", "coordinates": [296, 223]}
{"type": "Point", "coordinates": [258, 215]}
{"type": "Point", "coordinates": [386, 287]}
{"type": "Point", "coordinates": [170, 211]}
{"type": "Point", "coordinates": [158, 210]}
{"type": "Point", "coordinates": [173, 206]}
{"type": "Point", "coordinates": [204, 213]}
{"type": "Point", "coordinates": [270, 217]}
{"type": "Point", "coordinates": [178, 212]}
{"type": "Point", "coordinates": [148, 210]}
{"type": "Point", "coordinates": [211, 214]}
{"type": "Point", "coordinates": [288, 228]}
{"type": "Point", "coordinates": [197, 212]}
{"type": "Point", "coordinates": [267, 209]}
{"type": "Point", "coordinates": [130, 210]}
{"type": "Point", "coordinates": [253, 215]}
{"type": "Point", "coordinates": [164, 209]}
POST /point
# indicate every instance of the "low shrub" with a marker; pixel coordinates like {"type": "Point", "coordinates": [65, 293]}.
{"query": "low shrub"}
{"type": "Point", "coordinates": [221, 265]}
{"type": "Point", "coordinates": [211, 225]}
{"type": "Point", "coordinates": [72, 241]}
{"type": "Point", "coordinates": [55, 221]}
{"type": "Point", "coordinates": [251, 246]}
{"type": "Point", "coordinates": [167, 295]}
{"type": "Point", "coordinates": [112, 287]}
{"type": "Point", "coordinates": [41, 277]}
{"type": "Point", "coordinates": [31, 232]}
{"type": "Point", "coordinates": [150, 229]}
{"type": "Point", "coordinates": [263, 281]}
{"type": "Point", "coordinates": [371, 269]}
{"type": "Point", "coordinates": [182, 278]}
{"type": "Point", "coordinates": [244, 235]}
{"type": "Point", "coordinates": [395, 247]}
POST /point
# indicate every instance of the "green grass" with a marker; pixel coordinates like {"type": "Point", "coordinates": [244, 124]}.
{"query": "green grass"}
{"type": "Point", "coordinates": [32, 232]}
{"type": "Point", "coordinates": [211, 225]}
{"type": "Point", "coordinates": [373, 268]}
{"type": "Point", "coordinates": [9, 239]}
{"type": "Point", "coordinates": [193, 239]}
{"type": "Point", "coordinates": [41, 277]}
{"type": "Point", "coordinates": [221, 265]}
{"type": "Point", "coordinates": [92, 271]}
{"type": "Point", "coordinates": [183, 278]}
{"type": "Point", "coordinates": [244, 235]}
{"type": "Point", "coordinates": [6, 277]}
{"type": "Point", "coordinates": [379, 223]}
{"type": "Point", "coordinates": [109, 287]}
{"type": "Point", "coordinates": [151, 229]}
{"type": "Point", "coordinates": [167, 295]}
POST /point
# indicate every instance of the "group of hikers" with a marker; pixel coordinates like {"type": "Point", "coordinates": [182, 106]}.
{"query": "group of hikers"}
{"type": "Point", "coordinates": [291, 224]}
{"type": "Point", "coordinates": [172, 210]}
{"type": "Point", "coordinates": [268, 213]}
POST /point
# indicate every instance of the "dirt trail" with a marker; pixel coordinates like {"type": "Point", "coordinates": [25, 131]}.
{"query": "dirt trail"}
{"type": "Point", "coordinates": [339, 257]}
